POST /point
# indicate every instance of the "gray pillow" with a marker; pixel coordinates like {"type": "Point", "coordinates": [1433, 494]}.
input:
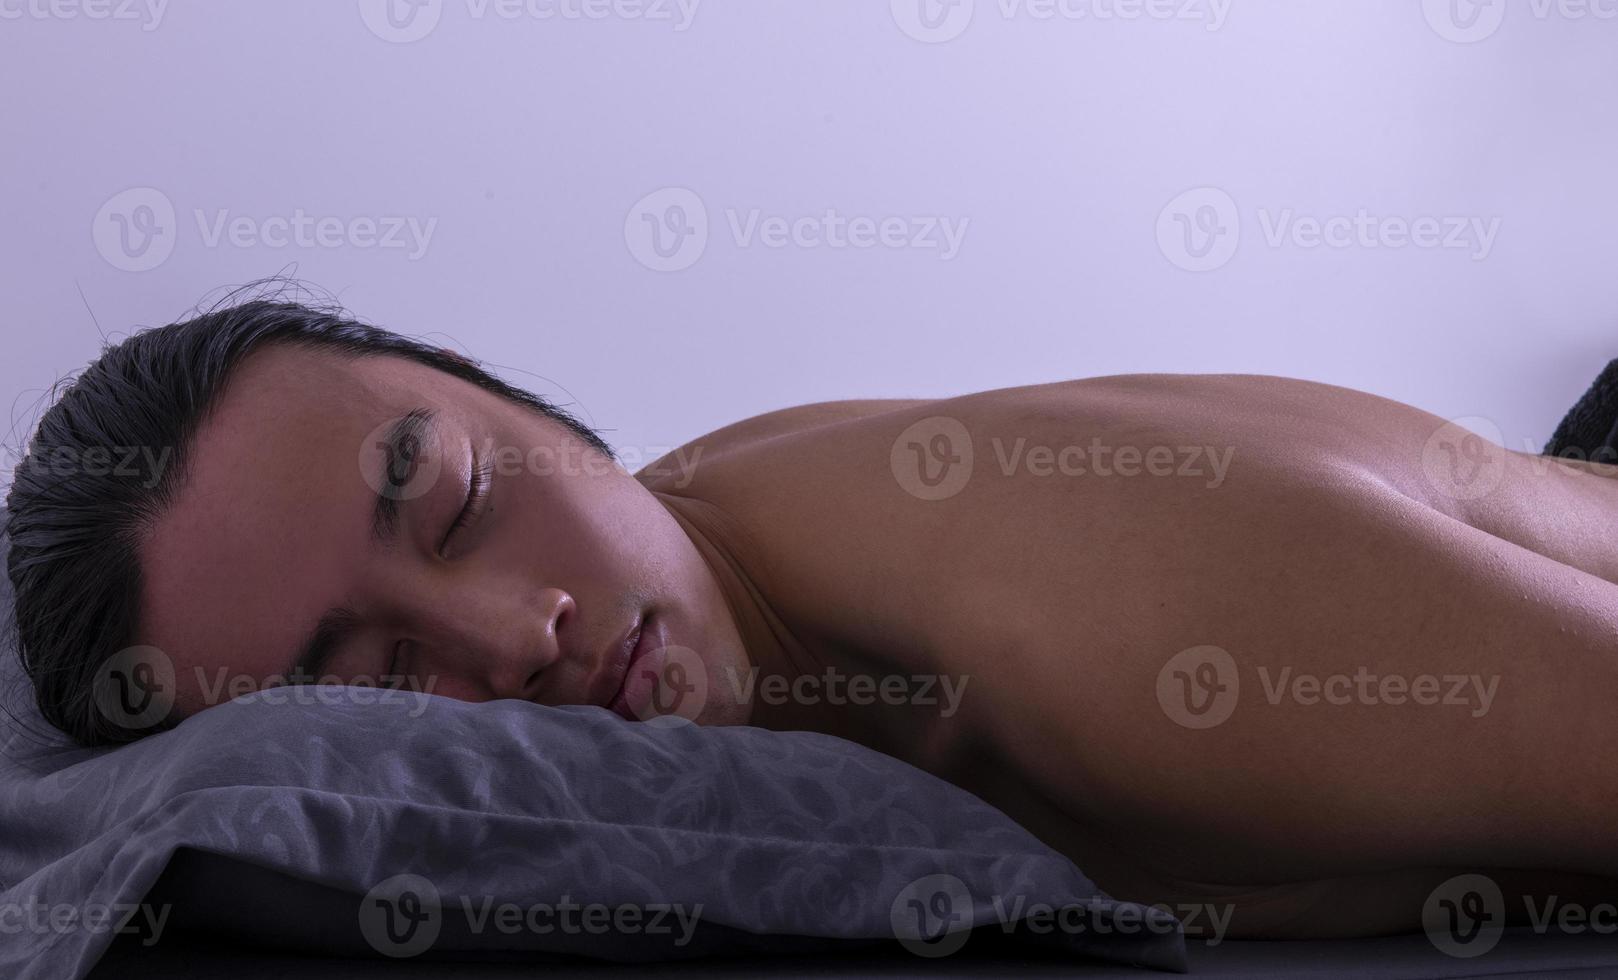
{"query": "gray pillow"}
{"type": "Point", "coordinates": [332, 820]}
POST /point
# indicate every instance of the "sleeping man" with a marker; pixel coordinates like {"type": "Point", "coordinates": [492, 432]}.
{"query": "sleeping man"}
{"type": "Point", "coordinates": [1276, 647]}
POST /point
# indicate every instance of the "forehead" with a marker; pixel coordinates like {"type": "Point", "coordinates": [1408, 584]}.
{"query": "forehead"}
{"type": "Point", "coordinates": [272, 516]}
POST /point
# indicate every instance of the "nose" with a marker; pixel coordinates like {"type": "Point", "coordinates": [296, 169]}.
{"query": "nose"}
{"type": "Point", "coordinates": [494, 647]}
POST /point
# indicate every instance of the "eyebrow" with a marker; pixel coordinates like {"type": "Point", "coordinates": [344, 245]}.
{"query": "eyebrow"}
{"type": "Point", "coordinates": [411, 429]}
{"type": "Point", "coordinates": [340, 623]}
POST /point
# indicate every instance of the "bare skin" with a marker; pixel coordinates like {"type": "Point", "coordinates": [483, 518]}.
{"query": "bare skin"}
{"type": "Point", "coordinates": [1334, 543]}
{"type": "Point", "coordinates": [1339, 538]}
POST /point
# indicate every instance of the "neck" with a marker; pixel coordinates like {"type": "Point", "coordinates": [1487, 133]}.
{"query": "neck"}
{"type": "Point", "coordinates": [770, 647]}
{"type": "Point", "coordinates": [765, 685]}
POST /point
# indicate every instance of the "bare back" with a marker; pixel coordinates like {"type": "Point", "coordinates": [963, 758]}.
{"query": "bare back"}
{"type": "Point", "coordinates": [1229, 638]}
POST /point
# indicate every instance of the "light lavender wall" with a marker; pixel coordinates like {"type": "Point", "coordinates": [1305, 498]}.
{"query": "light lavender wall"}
{"type": "Point", "coordinates": [1072, 146]}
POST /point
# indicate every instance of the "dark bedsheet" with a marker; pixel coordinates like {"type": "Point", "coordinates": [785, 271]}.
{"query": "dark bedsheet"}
{"type": "Point", "coordinates": [1519, 954]}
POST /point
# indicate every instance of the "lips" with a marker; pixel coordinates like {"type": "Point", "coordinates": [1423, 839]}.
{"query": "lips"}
{"type": "Point", "coordinates": [615, 666]}
{"type": "Point", "coordinates": [640, 674]}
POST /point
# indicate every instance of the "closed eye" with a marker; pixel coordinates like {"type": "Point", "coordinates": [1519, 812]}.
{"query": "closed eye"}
{"type": "Point", "coordinates": [391, 675]}
{"type": "Point", "coordinates": [477, 497]}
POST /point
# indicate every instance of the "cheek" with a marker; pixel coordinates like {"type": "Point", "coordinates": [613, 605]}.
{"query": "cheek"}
{"type": "Point", "coordinates": [637, 542]}
{"type": "Point", "coordinates": [605, 530]}
{"type": "Point", "coordinates": [626, 542]}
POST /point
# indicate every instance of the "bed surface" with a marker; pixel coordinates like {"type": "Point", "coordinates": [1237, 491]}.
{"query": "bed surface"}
{"type": "Point", "coordinates": [1520, 953]}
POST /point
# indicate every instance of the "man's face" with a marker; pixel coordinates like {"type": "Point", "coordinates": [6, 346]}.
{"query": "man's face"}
{"type": "Point", "coordinates": [506, 558]}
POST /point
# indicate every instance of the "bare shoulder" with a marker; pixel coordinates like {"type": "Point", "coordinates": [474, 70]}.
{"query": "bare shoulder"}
{"type": "Point", "coordinates": [1262, 412]}
{"type": "Point", "coordinates": [664, 472]}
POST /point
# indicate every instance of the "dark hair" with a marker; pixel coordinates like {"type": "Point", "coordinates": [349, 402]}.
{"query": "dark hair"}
{"type": "Point", "coordinates": [75, 529]}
